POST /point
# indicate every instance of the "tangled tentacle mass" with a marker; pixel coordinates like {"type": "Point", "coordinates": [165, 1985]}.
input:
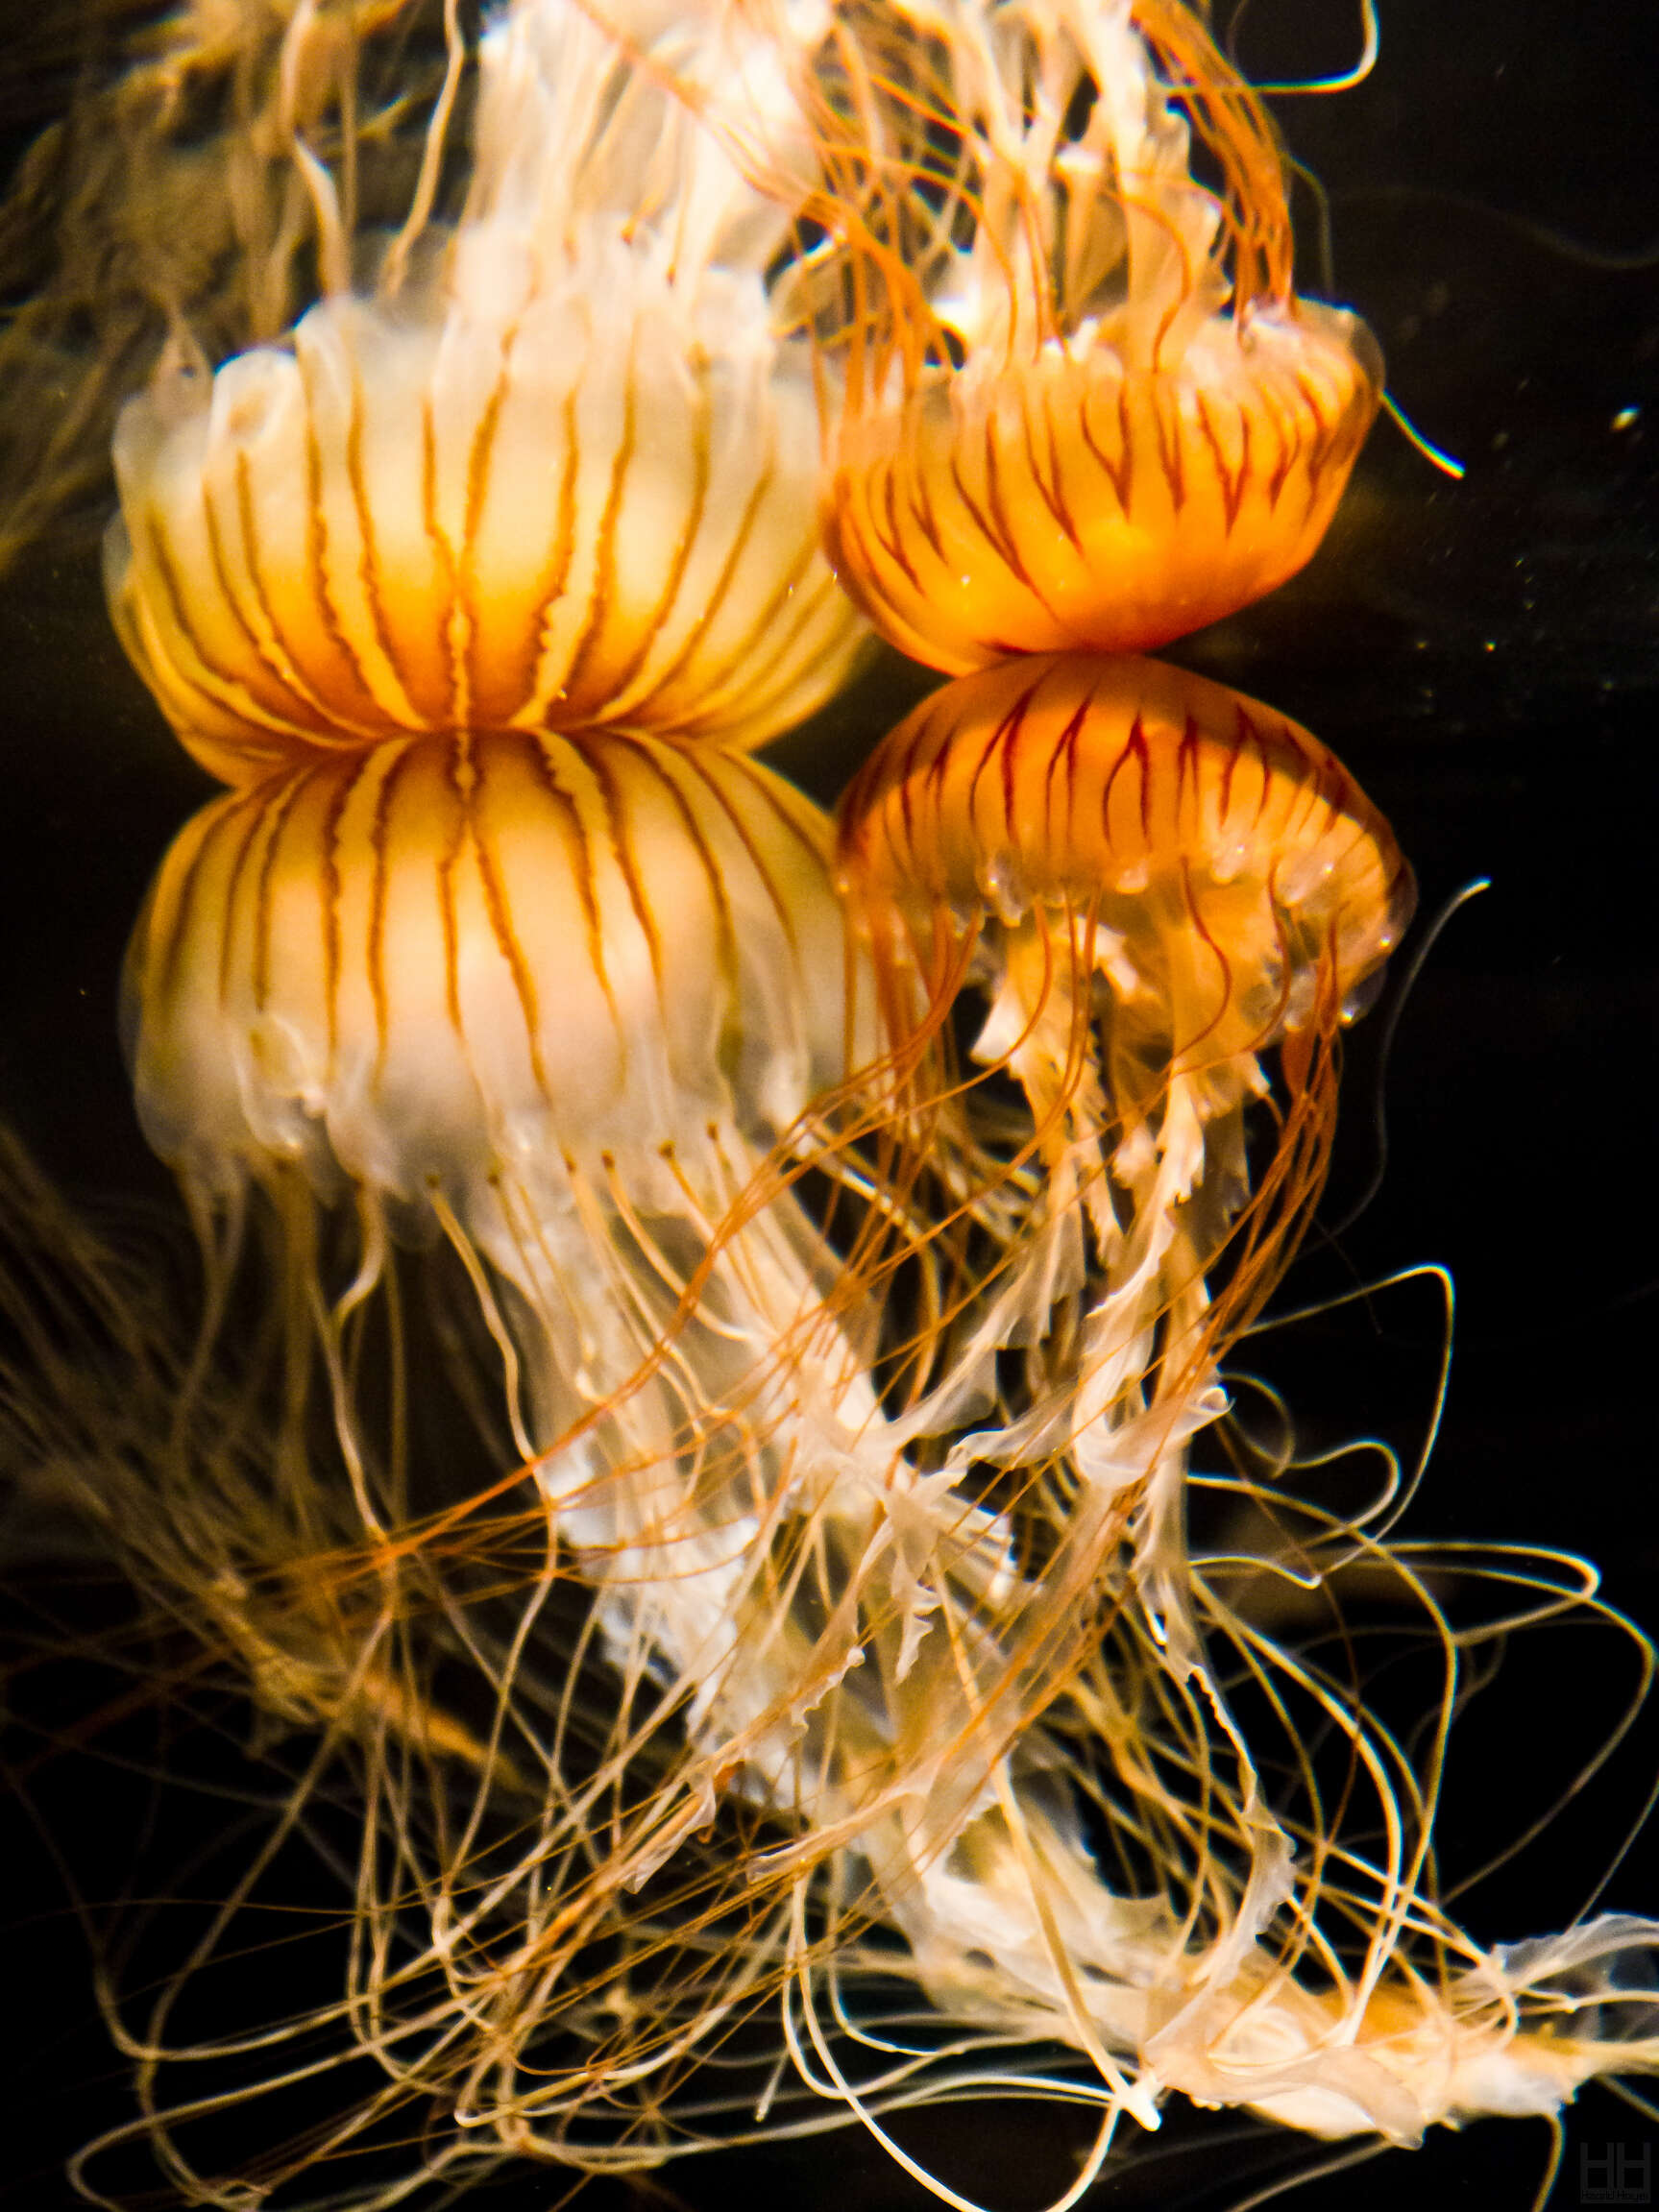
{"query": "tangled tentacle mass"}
{"type": "Point", "coordinates": [709, 1310]}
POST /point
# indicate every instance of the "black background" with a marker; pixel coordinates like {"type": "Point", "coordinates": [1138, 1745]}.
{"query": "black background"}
{"type": "Point", "coordinates": [1485, 658]}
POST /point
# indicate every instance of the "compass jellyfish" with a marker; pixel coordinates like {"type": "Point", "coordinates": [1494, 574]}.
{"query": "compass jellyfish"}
{"type": "Point", "coordinates": [1141, 891]}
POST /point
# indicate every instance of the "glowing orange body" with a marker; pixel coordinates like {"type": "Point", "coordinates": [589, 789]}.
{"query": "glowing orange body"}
{"type": "Point", "coordinates": [1154, 882]}
{"type": "Point", "coordinates": [1078, 506]}
{"type": "Point", "coordinates": [1054, 782]}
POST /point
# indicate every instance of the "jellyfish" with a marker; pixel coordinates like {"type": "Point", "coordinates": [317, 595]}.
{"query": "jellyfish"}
{"type": "Point", "coordinates": [478, 588]}
{"type": "Point", "coordinates": [549, 469]}
{"type": "Point", "coordinates": [556, 469]}
{"type": "Point", "coordinates": [1081, 406]}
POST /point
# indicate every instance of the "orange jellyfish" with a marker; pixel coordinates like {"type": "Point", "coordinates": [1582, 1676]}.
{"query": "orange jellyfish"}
{"type": "Point", "coordinates": [1083, 408]}
{"type": "Point", "coordinates": [1149, 885]}
{"type": "Point", "coordinates": [1155, 903]}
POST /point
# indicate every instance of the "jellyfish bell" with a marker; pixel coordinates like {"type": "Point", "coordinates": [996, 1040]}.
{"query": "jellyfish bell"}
{"type": "Point", "coordinates": [562, 473]}
{"type": "Point", "coordinates": [1085, 409]}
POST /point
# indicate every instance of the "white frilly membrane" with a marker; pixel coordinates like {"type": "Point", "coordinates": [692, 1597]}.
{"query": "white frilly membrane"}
{"type": "Point", "coordinates": [555, 469]}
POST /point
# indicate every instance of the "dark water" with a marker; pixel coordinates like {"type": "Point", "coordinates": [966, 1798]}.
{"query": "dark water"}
{"type": "Point", "coordinates": [1484, 656]}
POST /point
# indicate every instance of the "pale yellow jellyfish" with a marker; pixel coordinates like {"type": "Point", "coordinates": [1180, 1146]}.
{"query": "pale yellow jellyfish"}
{"type": "Point", "coordinates": [445, 581]}
{"type": "Point", "coordinates": [554, 471]}
{"type": "Point", "coordinates": [1080, 405]}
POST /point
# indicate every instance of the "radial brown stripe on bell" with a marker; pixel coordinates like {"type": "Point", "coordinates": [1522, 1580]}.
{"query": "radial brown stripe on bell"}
{"type": "Point", "coordinates": [618, 832]}
{"type": "Point", "coordinates": [474, 623]}
{"type": "Point", "coordinates": [667, 771]}
{"type": "Point", "coordinates": [1231, 481]}
{"type": "Point", "coordinates": [330, 654]}
{"type": "Point", "coordinates": [243, 854]}
{"type": "Point", "coordinates": [198, 653]}
{"type": "Point", "coordinates": [1280, 412]}
{"type": "Point", "coordinates": [508, 640]}
{"type": "Point", "coordinates": [332, 888]}
{"type": "Point", "coordinates": [581, 681]}
{"type": "Point", "coordinates": [880, 520]}
{"type": "Point", "coordinates": [282, 806]}
{"type": "Point", "coordinates": [455, 769]}
{"type": "Point", "coordinates": [268, 465]}
{"type": "Point", "coordinates": [785, 667]}
{"type": "Point", "coordinates": [641, 628]}
{"type": "Point", "coordinates": [1050, 487]}
{"type": "Point", "coordinates": [1118, 468]}
{"type": "Point", "coordinates": [368, 565]}
{"type": "Point", "coordinates": [156, 958]}
{"type": "Point", "coordinates": [788, 816]}
{"type": "Point", "coordinates": [748, 687]}
{"type": "Point", "coordinates": [259, 673]}
{"type": "Point", "coordinates": [544, 753]}
{"type": "Point", "coordinates": [665, 682]}
{"type": "Point", "coordinates": [1161, 410]}
{"type": "Point", "coordinates": [491, 801]}
{"type": "Point", "coordinates": [1126, 801]}
{"type": "Point", "coordinates": [376, 834]}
